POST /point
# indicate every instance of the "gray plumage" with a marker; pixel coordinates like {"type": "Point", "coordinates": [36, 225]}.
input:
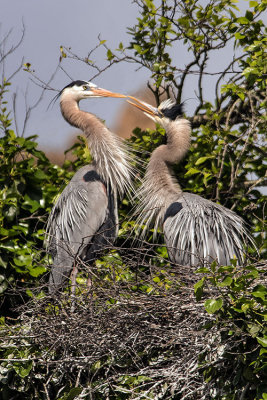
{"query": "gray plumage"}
{"type": "Point", "coordinates": [196, 231]}
{"type": "Point", "coordinates": [203, 231]}
{"type": "Point", "coordinates": [84, 219]}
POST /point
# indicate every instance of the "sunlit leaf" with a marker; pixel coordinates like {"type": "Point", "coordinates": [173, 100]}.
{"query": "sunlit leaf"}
{"type": "Point", "coordinates": [213, 305]}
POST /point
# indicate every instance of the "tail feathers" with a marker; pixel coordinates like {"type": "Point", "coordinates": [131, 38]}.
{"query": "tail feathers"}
{"type": "Point", "coordinates": [59, 275]}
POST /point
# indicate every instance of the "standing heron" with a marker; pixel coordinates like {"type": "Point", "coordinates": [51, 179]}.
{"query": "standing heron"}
{"type": "Point", "coordinates": [84, 219]}
{"type": "Point", "coordinates": [196, 230]}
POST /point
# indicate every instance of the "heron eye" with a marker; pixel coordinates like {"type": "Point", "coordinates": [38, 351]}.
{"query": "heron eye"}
{"type": "Point", "coordinates": [85, 87]}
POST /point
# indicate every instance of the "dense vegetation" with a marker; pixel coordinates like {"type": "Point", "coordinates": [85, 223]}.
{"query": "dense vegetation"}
{"type": "Point", "coordinates": [147, 329]}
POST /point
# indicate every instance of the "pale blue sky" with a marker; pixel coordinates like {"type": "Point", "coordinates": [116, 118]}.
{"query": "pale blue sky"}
{"type": "Point", "coordinates": [52, 23]}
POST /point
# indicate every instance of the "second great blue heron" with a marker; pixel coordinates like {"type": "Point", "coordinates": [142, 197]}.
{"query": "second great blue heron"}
{"type": "Point", "coordinates": [196, 230]}
{"type": "Point", "coordinates": [84, 219]}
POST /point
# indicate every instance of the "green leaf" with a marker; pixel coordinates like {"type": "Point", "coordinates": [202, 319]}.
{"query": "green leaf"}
{"type": "Point", "coordinates": [198, 288]}
{"type": "Point", "coordinates": [110, 55]}
{"type": "Point", "coordinates": [3, 263]}
{"type": "Point", "coordinates": [250, 70]}
{"type": "Point", "coordinates": [260, 292]}
{"type": "Point", "coordinates": [137, 48]}
{"type": "Point", "coordinates": [239, 36]}
{"type": "Point", "coordinates": [213, 266]}
{"type": "Point", "coordinates": [241, 95]}
{"type": "Point", "coordinates": [29, 293]}
{"type": "Point", "coordinates": [10, 246]}
{"type": "Point", "coordinates": [262, 341]}
{"type": "Point", "coordinates": [226, 282]}
{"type": "Point", "coordinates": [254, 329]}
{"type": "Point", "coordinates": [37, 271]}
{"type": "Point", "coordinates": [263, 351]}
{"type": "Point", "coordinates": [202, 270]}
{"type": "Point", "coordinates": [150, 5]}
{"type": "Point", "coordinates": [23, 369]}
{"type": "Point", "coordinates": [192, 171]}
{"type": "Point", "coordinates": [33, 205]}
{"type": "Point", "coordinates": [199, 284]}
{"type": "Point", "coordinates": [146, 138]}
{"type": "Point", "coordinates": [10, 213]}
{"type": "Point", "coordinates": [39, 174]}
{"type": "Point", "coordinates": [23, 260]}
{"type": "Point", "coordinates": [213, 305]}
{"type": "Point", "coordinates": [72, 394]}
{"type": "Point", "coordinates": [243, 21]}
{"type": "Point", "coordinates": [245, 307]}
{"type": "Point", "coordinates": [21, 227]}
{"type": "Point", "coordinates": [201, 160]}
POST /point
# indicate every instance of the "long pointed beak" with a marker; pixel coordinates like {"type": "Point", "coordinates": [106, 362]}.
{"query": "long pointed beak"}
{"type": "Point", "coordinates": [106, 93]}
{"type": "Point", "coordinates": [145, 107]}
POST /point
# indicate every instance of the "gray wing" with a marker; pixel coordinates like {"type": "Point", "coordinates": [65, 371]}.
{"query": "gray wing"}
{"type": "Point", "coordinates": [198, 231]}
{"type": "Point", "coordinates": [79, 213]}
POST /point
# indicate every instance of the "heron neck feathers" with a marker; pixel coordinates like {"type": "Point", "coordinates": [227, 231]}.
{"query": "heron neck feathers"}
{"type": "Point", "coordinates": [110, 155]}
{"type": "Point", "coordinates": [160, 187]}
{"type": "Point", "coordinates": [178, 134]}
{"type": "Point", "coordinates": [159, 173]}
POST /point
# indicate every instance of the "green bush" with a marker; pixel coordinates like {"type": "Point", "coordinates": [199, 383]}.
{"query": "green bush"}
{"type": "Point", "coordinates": [147, 329]}
{"type": "Point", "coordinates": [237, 362]}
{"type": "Point", "coordinates": [28, 187]}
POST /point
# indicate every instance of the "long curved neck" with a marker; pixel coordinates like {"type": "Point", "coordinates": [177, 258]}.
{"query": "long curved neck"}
{"type": "Point", "coordinates": [109, 154]}
{"type": "Point", "coordinates": [76, 117]}
{"type": "Point", "coordinates": [159, 172]}
{"type": "Point", "coordinates": [160, 188]}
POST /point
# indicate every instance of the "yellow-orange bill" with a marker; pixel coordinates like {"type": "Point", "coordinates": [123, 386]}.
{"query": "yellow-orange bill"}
{"type": "Point", "coordinates": [141, 107]}
{"type": "Point", "coordinates": [106, 93]}
{"type": "Point", "coordinates": [147, 108]}
{"type": "Point", "coordinates": [138, 101]}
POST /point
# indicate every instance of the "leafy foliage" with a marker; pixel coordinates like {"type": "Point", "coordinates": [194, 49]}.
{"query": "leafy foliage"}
{"type": "Point", "coordinates": [25, 196]}
{"type": "Point", "coordinates": [240, 310]}
{"type": "Point", "coordinates": [147, 329]}
{"type": "Point", "coordinates": [28, 186]}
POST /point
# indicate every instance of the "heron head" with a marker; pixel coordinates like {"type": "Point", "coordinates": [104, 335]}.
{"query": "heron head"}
{"type": "Point", "coordinates": [171, 110]}
{"type": "Point", "coordinates": [166, 112]}
{"type": "Point", "coordinates": [79, 90]}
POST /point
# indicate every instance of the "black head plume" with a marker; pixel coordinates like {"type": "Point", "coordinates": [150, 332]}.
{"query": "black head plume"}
{"type": "Point", "coordinates": [172, 112]}
{"type": "Point", "coordinates": [54, 99]}
{"type": "Point", "coordinates": [77, 83]}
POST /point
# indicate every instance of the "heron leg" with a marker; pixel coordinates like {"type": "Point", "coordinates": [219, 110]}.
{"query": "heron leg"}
{"type": "Point", "coordinates": [73, 277]}
{"type": "Point", "coordinates": [89, 291]}
{"type": "Point", "coordinates": [89, 281]}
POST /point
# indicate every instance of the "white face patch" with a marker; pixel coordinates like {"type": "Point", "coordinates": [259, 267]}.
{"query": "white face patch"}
{"type": "Point", "coordinates": [92, 84]}
{"type": "Point", "coordinates": [79, 92]}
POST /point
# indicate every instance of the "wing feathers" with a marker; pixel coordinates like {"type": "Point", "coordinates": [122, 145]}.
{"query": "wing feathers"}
{"type": "Point", "coordinates": [80, 211]}
{"type": "Point", "coordinates": [203, 231]}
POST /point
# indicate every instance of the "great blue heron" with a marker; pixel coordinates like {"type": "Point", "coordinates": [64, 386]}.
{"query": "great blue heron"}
{"type": "Point", "coordinates": [84, 219]}
{"type": "Point", "coordinates": [196, 230]}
